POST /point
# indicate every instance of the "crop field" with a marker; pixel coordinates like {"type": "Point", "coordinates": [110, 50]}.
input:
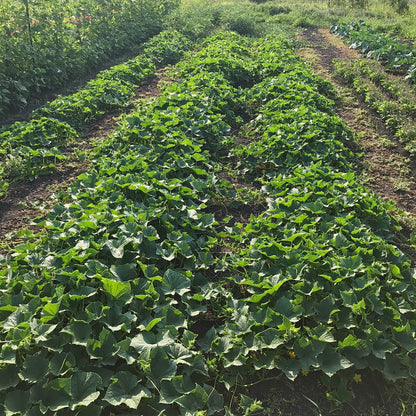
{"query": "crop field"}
{"type": "Point", "coordinates": [229, 247]}
{"type": "Point", "coordinates": [44, 44]}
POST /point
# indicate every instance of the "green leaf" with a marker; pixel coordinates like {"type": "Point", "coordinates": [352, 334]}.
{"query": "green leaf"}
{"type": "Point", "coordinates": [80, 331]}
{"type": "Point", "coordinates": [393, 369]}
{"type": "Point", "coordinates": [61, 363]}
{"type": "Point", "coordinates": [249, 405]}
{"type": "Point", "coordinates": [330, 362]}
{"type": "Point", "coordinates": [215, 400]}
{"type": "Point", "coordinates": [395, 271]}
{"type": "Point", "coordinates": [82, 293]}
{"type": "Point", "coordinates": [405, 337]}
{"type": "Point", "coordinates": [148, 340]}
{"type": "Point", "coordinates": [152, 323]}
{"type": "Point", "coordinates": [50, 310]}
{"type": "Point", "coordinates": [180, 354]}
{"type": "Point", "coordinates": [188, 338]}
{"type": "Point", "coordinates": [84, 389]}
{"type": "Point", "coordinates": [284, 306]}
{"type": "Point", "coordinates": [161, 367]}
{"type": "Point", "coordinates": [269, 338]}
{"type": "Point", "coordinates": [206, 341]}
{"type": "Point", "coordinates": [168, 392]}
{"type": "Point", "coordinates": [92, 410]}
{"type": "Point", "coordinates": [125, 389]}
{"type": "Point", "coordinates": [35, 368]}
{"type": "Point", "coordinates": [174, 317]}
{"type": "Point", "coordinates": [116, 289]}
{"type": "Point", "coordinates": [321, 333]}
{"type": "Point", "coordinates": [104, 348]}
{"type": "Point", "coordinates": [325, 309]}
{"type": "Point", "coordinates": [172, 389]}
{"type": "Point", "coordinates": [124, 272]}
{"type": "Point", "coordinates": [306, 352]}
{"type": "Point", "coordinates": [7, 355]}
{"type": "Point", "coordinates": [381, 347]}
{"type": "Point", "coordinates": [8, 376]}
{"type": "Point", "coordinates": [289, 366]}
{"type": "Point", "coordinates": [194, 400]}
{"type": "Point", "coordinates": [56, 394]}
{"type": "Point", "coordinates": [175, 282]}
{"type": "Point", "coordinates": [117, 246]}
{"type": "Point", "coordinates": [17, 401]}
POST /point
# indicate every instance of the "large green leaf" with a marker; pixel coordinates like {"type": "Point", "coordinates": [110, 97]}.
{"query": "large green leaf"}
{"type": "Point", "coordinates": [149, 340]}
{"type": "Point", "coordinates": [175, 282]}
{"type": "Point", "coordinates": [330, 362]}
{"type": "Point", "coordinates": [124, 272]}
{"type": "Point", "coordinates": [194, 400]}
{"type": "Point", "coordinates": [7, 355]}
{"type": "Point", "coordinates": [9, 376]}
{"type": "Point", "coordinates": [405, 337]}
{"type": "Point", "coordinates": [126, 389]}
{"type": "Point", "coordinates": [116, 289]}
{"type": "Point", "coordinates": [84, 389]}
{"type": "Point", "coordinates": [61, 363]}
{"type": "Point", "coordinates": [35, 367]}
{"type": "Point", "coordinates": [161, 366]}
{"type": "Point", "coordinates": [80, 332]}
{"type": "Point", "coordinates": [117, 246]}
{"type": "Point", "coordinates": [17, 401]}
{"type": "Point", "coordinates": [56, 394]}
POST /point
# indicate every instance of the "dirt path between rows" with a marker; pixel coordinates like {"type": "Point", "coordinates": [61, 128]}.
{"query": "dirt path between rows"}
{"type": "Point", "coordinates": [29, 199]}
{"type": "Point", "coordinates": [386, 167]}
{"type": "Point", "coordinates": [360, 117]}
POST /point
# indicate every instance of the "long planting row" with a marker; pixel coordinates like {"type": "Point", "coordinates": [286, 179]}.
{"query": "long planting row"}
{"type": "Point", "coordinates": [394, 54]}
{"type": "Point", "coordinates": [146, 298]}
{"type": "Point", "coordinates": [390, 98]}
{"type": "Point", "coordinates": [30, 148]}
{"type": "Point", "coordinates": [50, 43]}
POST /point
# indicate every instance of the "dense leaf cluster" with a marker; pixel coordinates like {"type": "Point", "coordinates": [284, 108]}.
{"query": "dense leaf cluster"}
{"type": "Point", "coordinates": [67, 40]}
{"type": "Point", "coordinates": [167, 47]}
{"type": "Point", "coordinates": [395, 55]}
{"type": "Point", "coordinates": [144, 298]}
{"type": "Point", "coordinates": [389, 97]}
{"type": "Point", "coordinates": [32, 147]}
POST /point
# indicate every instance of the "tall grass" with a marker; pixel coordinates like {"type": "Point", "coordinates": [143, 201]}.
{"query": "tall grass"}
{"type": "Point", "coordinates": [321, 13]}
{"type": "Point", "coordinates": [198, 18]}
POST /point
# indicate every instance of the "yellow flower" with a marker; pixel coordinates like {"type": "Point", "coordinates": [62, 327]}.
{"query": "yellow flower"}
{"type": "Point", "coordinates": [357, 378]}
{"type": "Point", "coordinates": [305, 372]}
{"type": "Point", "coordinates": [292, 354]}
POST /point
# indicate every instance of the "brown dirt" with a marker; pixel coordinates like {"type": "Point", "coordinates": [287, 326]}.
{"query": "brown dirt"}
{"type": "Point", "coordinates": [29, 199]}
